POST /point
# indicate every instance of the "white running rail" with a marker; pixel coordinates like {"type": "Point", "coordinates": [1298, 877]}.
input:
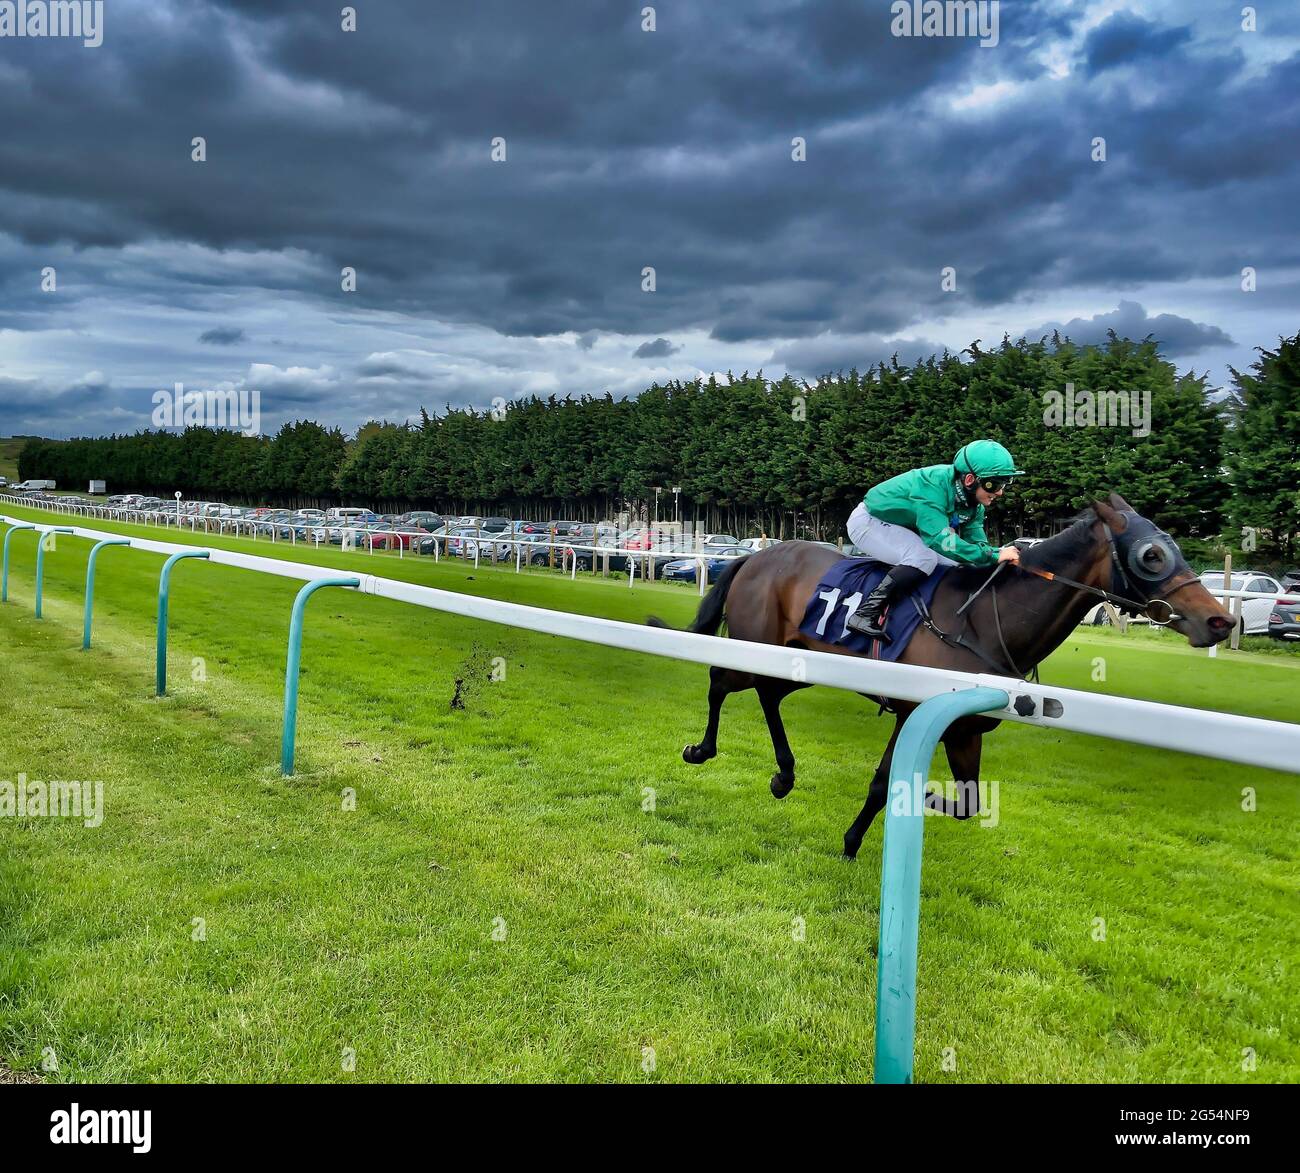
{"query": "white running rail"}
{"type": "Point", "coordinates": [1251, 741]}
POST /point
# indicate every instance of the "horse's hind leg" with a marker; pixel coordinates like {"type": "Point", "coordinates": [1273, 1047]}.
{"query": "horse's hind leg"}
{"type": "Point", "coordinates": [722, 682]}
{"type": "Point", "coordinates": [877, 793]}
{"type": "Point", "coordinates": [770, 695]}
{"type": "Point", "coordinates": [963, 750]}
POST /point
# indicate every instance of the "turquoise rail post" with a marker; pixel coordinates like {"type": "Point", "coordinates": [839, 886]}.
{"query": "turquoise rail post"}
{"type": "Point", "coordinates": [900, 873]}
{"type": "Point", "coordinates": [40, 561]}
{"type": "Point", "coordinates": [294, 662]}
{"type": "Point", "coordinates": [4, 586]}
{"type": "Point", "coordinates": [90, 584]}
{"type": "Point", "coordinates": [164, 588]}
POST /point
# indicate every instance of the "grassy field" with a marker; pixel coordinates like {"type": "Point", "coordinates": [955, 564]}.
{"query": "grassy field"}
{"type": "Point", "coordinates": [500, 906]}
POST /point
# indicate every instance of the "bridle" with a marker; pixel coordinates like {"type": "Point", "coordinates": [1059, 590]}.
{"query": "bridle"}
{"type": "Point", "coordinates": [1150, 555]}
{"type": "Point", "coordinates": [1153, 552]}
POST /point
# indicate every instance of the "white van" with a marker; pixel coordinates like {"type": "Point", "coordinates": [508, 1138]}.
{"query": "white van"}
{"type": "Point", "coordinates": [346, 513]}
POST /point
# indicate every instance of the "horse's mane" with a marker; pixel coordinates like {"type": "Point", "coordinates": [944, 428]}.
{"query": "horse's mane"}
{"type": "Point", "coordinates": [1057, 552]}
{"type": "Point", "coordinates": [1065, 548]}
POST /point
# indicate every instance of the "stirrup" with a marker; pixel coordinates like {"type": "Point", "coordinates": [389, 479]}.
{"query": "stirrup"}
{"type": "Point", "coordinates": [863, 625]}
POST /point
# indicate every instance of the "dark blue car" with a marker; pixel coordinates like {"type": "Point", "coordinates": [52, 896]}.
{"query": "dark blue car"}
{"type": "Point", "coordinates": [683, 569]}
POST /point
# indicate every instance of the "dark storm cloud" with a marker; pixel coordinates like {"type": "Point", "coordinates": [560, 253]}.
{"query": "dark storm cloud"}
{"type": "Point", "coordinates": [1125, 38]}
{"type": "Point", "coordinates": [627, 150]}
{"type": "Point", "coordinates": [222, 336]}
{"type": "Point", "coordinates": [1178, 337]}
{"type": "Point", "coordinates": [659, 348]}
{"type": "Point", "coordinates": [830, 355]}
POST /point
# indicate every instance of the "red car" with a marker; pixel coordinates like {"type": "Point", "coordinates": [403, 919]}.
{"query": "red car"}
{"type": "Point", "coordinates": [386, 538]}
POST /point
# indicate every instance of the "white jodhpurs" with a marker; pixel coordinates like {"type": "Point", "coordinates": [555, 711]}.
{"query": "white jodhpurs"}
{"type": "Point", "coordinates": [895, 545]}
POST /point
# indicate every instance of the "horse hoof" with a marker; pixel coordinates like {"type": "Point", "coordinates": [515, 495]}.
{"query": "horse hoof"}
{"type": "Point", "coordinates": [695, 755]}
{"type": "Point", "coordinates": [782, 784]}
{"type": "Point", "coordinates": [850, 851]}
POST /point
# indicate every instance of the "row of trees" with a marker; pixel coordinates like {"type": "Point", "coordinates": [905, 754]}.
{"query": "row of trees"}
{"type": "Point", "coordinates": [753, 454]}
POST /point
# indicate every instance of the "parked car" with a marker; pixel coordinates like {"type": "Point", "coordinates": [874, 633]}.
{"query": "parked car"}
{"type": "Point", "coordinates": [1099, 616]}
{"type": "Point", "coordinates": [684, 569]}
{"type": "Point", "coordinates": [762, 543]}
{"type": "Point", "coordinates": [634, 539]}
{"type": "Point", "coordinates": [1254, 612]}
{"type": "Point", "coordinates": [594, 534]}
{"type": "Point", "coordinates": [387, 536]}
{"type": "Point", "coordinates": [421, 519]}
{"type": "Point", "coordinates": [535, 549]}
{"type": "Point", "coordinates": [271, 523]}
{"type": "Point", "coordinates": [436, 540]}
{"type": "Point", "coordinates": [1284, 620]}
{"type": "Point", "coordinates": [457, 537]}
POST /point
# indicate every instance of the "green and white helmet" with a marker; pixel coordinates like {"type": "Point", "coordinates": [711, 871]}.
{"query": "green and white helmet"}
{"type": "Point", "coordinates": [991, 464]}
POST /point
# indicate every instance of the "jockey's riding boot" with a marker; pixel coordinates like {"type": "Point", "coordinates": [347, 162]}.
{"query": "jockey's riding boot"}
{"type": "Point", "coordinates": [897, 583]}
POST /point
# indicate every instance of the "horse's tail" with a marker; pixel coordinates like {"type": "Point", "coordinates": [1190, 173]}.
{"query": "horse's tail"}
{"type": "Point", "coordinates": [709, 617]}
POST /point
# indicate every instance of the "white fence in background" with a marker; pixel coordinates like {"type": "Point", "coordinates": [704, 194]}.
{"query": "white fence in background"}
{"type": "Point", "coordinates": [482, 545]}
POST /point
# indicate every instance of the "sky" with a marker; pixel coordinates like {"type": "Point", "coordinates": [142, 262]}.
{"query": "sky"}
{"type": "Point", "coordinates": [500, 175]}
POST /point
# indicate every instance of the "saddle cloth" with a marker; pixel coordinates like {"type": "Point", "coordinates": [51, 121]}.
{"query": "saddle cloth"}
{"type": "Point", "coordinates": [838, 595]}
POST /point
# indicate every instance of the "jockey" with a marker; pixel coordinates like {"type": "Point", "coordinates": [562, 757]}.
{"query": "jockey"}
{"type": "Point", "coordinates": [926, 518]}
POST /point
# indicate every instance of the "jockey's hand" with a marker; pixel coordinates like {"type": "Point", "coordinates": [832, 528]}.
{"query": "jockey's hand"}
{"type": "Point", "coordinates": [1009, 554]}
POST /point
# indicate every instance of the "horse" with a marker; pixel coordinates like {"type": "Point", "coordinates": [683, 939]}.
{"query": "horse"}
{"type": "Point", "coordinates": [1110, 551]}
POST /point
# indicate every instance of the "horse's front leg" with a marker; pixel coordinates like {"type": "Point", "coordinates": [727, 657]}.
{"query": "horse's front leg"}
{"type": "Point", "coordinates": [876, 794]}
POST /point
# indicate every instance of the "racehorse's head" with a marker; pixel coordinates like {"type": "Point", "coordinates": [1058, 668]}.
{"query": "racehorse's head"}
{"type": "Point", "coordinates": [1148, 567]}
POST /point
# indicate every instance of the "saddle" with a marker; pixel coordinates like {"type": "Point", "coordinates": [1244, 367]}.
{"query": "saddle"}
{"type": "Point", "coordinates": [837, 596]}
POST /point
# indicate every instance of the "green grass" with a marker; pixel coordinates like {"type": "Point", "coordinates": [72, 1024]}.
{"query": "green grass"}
{"type": "Point", "coordinates": [672, 929]}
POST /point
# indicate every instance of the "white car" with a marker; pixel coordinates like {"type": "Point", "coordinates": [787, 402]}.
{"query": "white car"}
{"type": "Point", "coordinates": [1098, 616]}
{"type": "Point", "coordinates": [1254, 612]}
{"type": "Point", "coordinates": [759, 543]}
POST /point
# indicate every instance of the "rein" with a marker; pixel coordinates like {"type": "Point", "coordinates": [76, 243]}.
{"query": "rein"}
{"type": "Point", "coordinates": [958, 640]}
{"type": "Point", "coordinates": [1157, 607]}
{"type": "Point", "coordinates": [1117, 568]}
